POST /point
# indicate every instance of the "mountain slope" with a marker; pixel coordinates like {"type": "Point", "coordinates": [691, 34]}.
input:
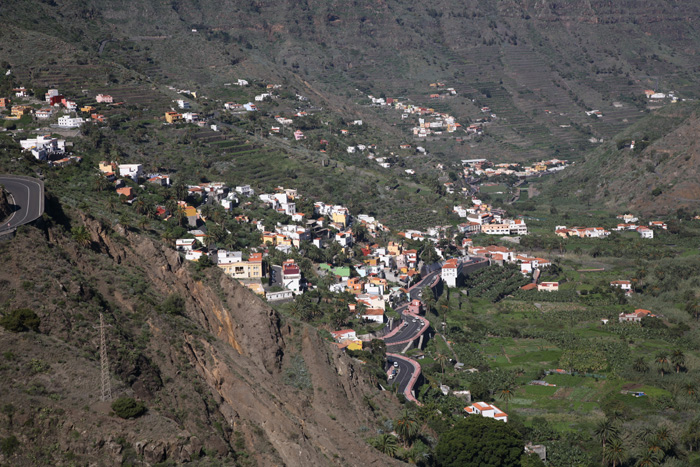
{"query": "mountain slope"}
{"type": "Point", "coordinates": [537, 65]}
{"type": "Point", "coordinates": [219, 372]}
{"type": "Point", "coordinates": [658, 176]}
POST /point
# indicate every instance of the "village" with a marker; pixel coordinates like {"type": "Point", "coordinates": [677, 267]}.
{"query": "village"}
{"type": "Point", "coordinates": [297, 247]}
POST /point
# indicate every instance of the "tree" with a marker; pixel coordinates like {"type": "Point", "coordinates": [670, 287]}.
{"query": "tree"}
{"type": "Point", "coordinates": [506, 392]}
{"type": "Point", "coordinates": [678, 359]}
{"type": "Point", "coordinates": [441, 358]}
{"type": "Point", "coordinates": [606, 430]}
{"type": "Point", "coordinates": [406, 427]}
{"type": "Point", "coordinates": [387, 444]}
{"type": "Point", "coordinates": [615, 452]}
{"type": "Point", "coordinates": [81, 235]}
{"type": "Point", "coordinates": [640, 365]}
{"type": "Point", "coordinates": [692, 307]}
{"type": "Point", "coordinates": [101, 183]}
{"type": "Point", "coordinates": [20, 320]}
{"type": "Point", "coordinates": [479, 442]}
{"type": "Point", "coordinates": [428, 298]}
{"type": "Point", "coordinates": [127, 407]}
{"type": "Point", "coordinates": [661, 361]}
{"type": "Point", "coordinates": [359, 231]}
{"type": "Point", "coordinates": [648, 459]}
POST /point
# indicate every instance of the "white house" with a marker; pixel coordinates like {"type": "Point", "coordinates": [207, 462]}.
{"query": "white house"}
{"type": "Point", "coordinates": [645, 232]}
{"type": "Point", "coordinates": [451, 272]}
{"type": "Point", "coordinates": [635, 317]}
{"type": "Point", "coordinates": [245, 190]}
{"type": "Point", "coordinates": [67, 121]}
{"type": "Point", "coordinates": [183, 104]}
{"type": "Point", "coordinates": [344, 334]}
{"type": "Point", "coordinates": [193, 255]}
{"type": "Point", "coordinates": [291, 275]}
{"type": "Point", "coordinates": [133, 171]}
{"type": "Point", "coordinates": [487, 410]}
{"type": "Point", "coordinates": [548, 287]}
{"type": "Point", "coordinates": [185, 244]}
{"type": "Point", "coordinates": [241, 82]}
{"type": "Point", "coordinates": [624, 285]}
{"type": "Point", "coordinates": [228, 257]}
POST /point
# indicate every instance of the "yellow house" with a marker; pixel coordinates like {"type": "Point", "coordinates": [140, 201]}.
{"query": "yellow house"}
{"type": "Point", "coordinates": [270, 237]}
{"type": "Point", "coordinates": [355, 345]}
{"type": "Point", "coordinates": [19, 111]}
{"type": "Point", "coordinates": [283, 240]}
{"type": "Point", "coordinates": [540, 167]}
{"type": "Point", "coordinates": [340, 217]}
{"type": "Point", "coordinates": [106, 167]}
{"type": "Point", "coordinates": [172, 117]}
{"type": "Point", "coordinates": [394, 248]}
{"type": "Point", "coordinates": [251, 269]}
{"type": "Point", "coordinates": [87, 109]}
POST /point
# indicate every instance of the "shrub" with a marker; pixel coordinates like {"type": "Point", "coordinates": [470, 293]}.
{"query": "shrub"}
{"type": "Point", "coordinates": [9, 445]}
{"type": "Point", "coordinates": [127, 407]}
{"type": "Point", "coordinates": [20, 320]}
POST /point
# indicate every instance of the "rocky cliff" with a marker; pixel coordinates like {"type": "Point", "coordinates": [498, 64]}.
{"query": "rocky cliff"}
{"type": "Point", "coordinates": [223, 375]}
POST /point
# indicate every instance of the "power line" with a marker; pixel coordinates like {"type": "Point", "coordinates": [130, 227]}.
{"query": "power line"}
{"type": "Point", "coordinates": [104, 363]}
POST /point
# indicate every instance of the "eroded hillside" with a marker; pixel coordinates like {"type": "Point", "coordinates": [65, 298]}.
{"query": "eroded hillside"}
{"type": "Point", "coordinates": [222, 374]}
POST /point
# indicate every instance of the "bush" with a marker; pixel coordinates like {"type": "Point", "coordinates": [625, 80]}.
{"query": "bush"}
{"type": "Point", "coordinates": [20, 320]}
{"type": "Point", "coordinates": [126, 407]}
{"type": "Point", "coordinates": [173, 305]}
{"type": "Point", "coordinates": [9, 445]}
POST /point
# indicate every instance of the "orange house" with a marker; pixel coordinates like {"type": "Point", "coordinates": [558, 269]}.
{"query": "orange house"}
{"type": "Point", "coordinates": [355, 285]}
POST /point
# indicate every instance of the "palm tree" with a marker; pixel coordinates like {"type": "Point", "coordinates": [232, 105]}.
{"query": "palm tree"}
{"type": "Point", "coordinates": [441, 359]}
{"type": "Point", "coordinates": [647, 459]}
{"type": "Point", "coordinates": [428, 298]}
{"type": "Point", "coordinates": [615, 452]}
{"type": "Point", "coordinates": [140, 206]}
{"type": "Point", "coordinates": [101, 183]}
{"type": "Point", "coordinates": [690, 389]}
{"type": "Point", "coordinates": [693, 308]}
{"type": "Point", "coordinates": [606, 430]}
{"type": "Point", "coordinates": [406, 427]}
{"type": "Point", "coordinates": [678, 359]}
{"type": "Point", "coordinates": [387, 444]}
{"type": "Point", "coordinates": [81, 235]}
{"type": "Point", "coordinates": [661, 360]}
{"type": "Point", "coordinates": [640, 365]}
{"type": "Point", "coordinates": [691, 436]}
{"type": "Point", "coordinates": [506, 392]}
{"type": "Point", "coordinates": [664, 437]}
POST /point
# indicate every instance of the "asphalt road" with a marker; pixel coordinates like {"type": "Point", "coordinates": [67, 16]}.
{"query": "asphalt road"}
{"type": "Point", "coordinates": [28, 197]}
{"type": "Point", "coordinates": [411, 329]}
{"type": "Point", "coordinates": [404, 373]}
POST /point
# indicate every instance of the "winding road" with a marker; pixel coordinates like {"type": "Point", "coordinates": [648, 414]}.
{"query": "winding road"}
{"type": "Point", "coordinates": [27, 194]}
{"type": "Point", "coordinates": [411, 328]}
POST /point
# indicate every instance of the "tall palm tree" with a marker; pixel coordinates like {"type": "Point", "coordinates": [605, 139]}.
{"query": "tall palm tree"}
{"type": "Point", "coordinates": [647, 459]}
{"type": "Point", "coordinates": [406, 427]}
{"type": "Point", "coordinates": [441, 359]}
{"type": "Point", "coordinates": [615, 452]}
{"type": "Point", "coordinates": [606, 430]}
{"type": "Point", "coordinates": [101, 183]}
{"type": "Point", "coordinates": [664, 437]}
{"type": "Point", "coordinates": [661, 360]}
{"type": "Point", "coordinates": [506, 392]}
{"type": "Point", "coordinates": [640, 365]}
{"type": "Point", "coordinates": [387, 444]}
{"type": "Point", "coordinates": [678, 359]}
